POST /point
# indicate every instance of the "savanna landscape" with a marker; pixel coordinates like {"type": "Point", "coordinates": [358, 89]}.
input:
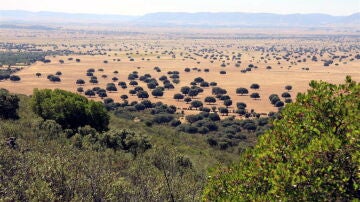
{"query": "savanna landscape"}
{"type": "Point", "coordinates": [158, 108]}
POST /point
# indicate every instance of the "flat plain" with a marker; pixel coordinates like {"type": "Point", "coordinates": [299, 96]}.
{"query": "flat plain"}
{"type": "Point", "coordinates": [232, 60]}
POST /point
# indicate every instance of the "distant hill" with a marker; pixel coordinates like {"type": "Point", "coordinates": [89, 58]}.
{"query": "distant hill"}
{"type": "Point", "coordinates": [57, 17]}
{"type": "Point", "coordinates": [187, 19]}
{"type": "Point", "coordinates": [248, 19]}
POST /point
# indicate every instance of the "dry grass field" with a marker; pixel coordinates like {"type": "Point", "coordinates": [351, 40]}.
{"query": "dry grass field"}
{"type": "Point", "coordinates": [287, 55]}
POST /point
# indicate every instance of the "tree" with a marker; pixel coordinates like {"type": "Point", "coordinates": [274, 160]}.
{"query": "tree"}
{"type": "Point", "coordinates": [139, 107]}
{"type": "Point", "coordinates": [9, 105]}
{"type": "Point", "coordinates": [193, 92]}
{"type": "Point", "coordinates": [210, 99]}
{"type": "Point", "coordinates": [124, 97]}
{"type": "Point", "coordinates": [90, 93]}
{"type": "Point", "coordinates": [15, 78]}
{"type": "Point", "coordinates": [68, 109]}
{"type": "Point", "coordinates": [242, 91]}
{"type": "Point", "coordinates": [187, 99]}
{"type": "Point", "coordinates": [213, 83]}
{"type": "Point", "coordinates": [132, 92]}
{"type": "Point", "coordinates": [288, 88]}
{"type": "Point", "coordinates": [38, 74]}
{"type": "Point", "coordinates": [93, 81]}
{"type": "Point", "coordinates": [138, 88]}
{"type": "Point", "coordinates": [224, 97]}
{"type": "Point", "coordinates": [80, 82]}
{"type": "Point", "coordinates": [255, 86]}
{"type": "Point", "coordinates": [185, 90]}
{"type": "Point", "coordinates": [151, 85]}
{"type": "Point", "coordinates": [279, 104]}
{"type": "Point", "coordinates": [198, 80]}
{"type": "Point", "coordinates": [169, 86]}
{"type": "Point", "coordinates": [241, 105]}
{"type": "Point", "coordinates": [126, 140]}
{"type": "Point", "coordinates": [143, 94]}
{"type": "Point", "coordinates": [111, 87]}
{"type": "Point", "coordinates": [286, 95]}
{"type": "Point", "coordinates": [102, 94]}
{"type": "Point", "coordinates": [53, 78]}
{"type": "Point", "coordinates": [228, 103]}
{"type": "Point", "coordinates": [311, 154]}
{"type": "Point", "coordinates": [223, 111]}
{"type": "Point", "coordinates": [157, 93]}
{"type": "Point", "coordinates": [163, 78]}
{"type": "Point", "coordinates": [218, 91]}
{"type": "Point", "coordinates": [193, 118]}
{"type": "Point", "coordinates": [80, 89]}
{"type": "Point", "coordinates": [204, 84]}
{"type": "Point", "coordinates": [255, 96]}
{"type": "Point", "coordinates": [132, 76]}
{"type": "Point", "coordinates": [178, 96]}
{"type": "Point", "coordinates": [274, 98]}
{"type": "Point", "coordinates": [196, 104]}
{"type": "Point", "coordinates": [121, 83]}
{"type": "Point", "coordinates": [133, 83]}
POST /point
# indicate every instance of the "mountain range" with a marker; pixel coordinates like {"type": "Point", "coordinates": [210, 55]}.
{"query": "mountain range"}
{"type": "Point", "coordinates": [229, 19]}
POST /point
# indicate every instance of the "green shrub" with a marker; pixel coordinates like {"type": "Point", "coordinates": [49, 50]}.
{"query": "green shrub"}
{"type": "Point", "coordinates": [311, 154]}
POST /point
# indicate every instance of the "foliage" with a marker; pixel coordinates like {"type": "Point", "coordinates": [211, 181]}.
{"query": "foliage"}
{"type": "Point", "coordinates": [311, 154]}
{"type": "Point", "coordinates": [8, 105]}
{"type": "Point", "coordinates": [39, 161]}
{"type": "Point", "coordinates": [69, 110]}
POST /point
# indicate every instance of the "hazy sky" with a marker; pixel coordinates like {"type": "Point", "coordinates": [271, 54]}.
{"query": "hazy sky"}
{"type": "Point", "coordinates": [139, 7]}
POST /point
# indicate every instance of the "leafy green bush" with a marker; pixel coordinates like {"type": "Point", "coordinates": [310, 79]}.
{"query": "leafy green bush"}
{"type": "Point", "coordinates": [311, 154]}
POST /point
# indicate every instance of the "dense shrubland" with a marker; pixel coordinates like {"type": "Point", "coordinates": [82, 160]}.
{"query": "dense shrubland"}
{"type": "Point", "coordinates": [52, 150]}
{"type": "Point", "coordinates": [46, 157]}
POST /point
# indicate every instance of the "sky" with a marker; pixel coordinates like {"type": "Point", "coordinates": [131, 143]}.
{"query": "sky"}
{"type": "Point", "coordinates": [140, 7]}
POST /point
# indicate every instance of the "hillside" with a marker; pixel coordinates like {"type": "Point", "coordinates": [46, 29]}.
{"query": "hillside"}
{"type": "Point", "coordinates": [236, 19]}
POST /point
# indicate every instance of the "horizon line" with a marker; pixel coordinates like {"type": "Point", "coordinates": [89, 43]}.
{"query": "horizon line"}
{"type": "Point", "coordinates": [182, 12]}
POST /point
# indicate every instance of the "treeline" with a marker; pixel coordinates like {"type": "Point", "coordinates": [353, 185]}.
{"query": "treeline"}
{"type": "Point", "coordinates": [10, 58]}
{"type": "Point", "coordinates": [26, 58]}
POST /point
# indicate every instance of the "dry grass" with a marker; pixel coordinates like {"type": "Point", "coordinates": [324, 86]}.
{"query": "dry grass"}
{"type": "Point", "coordinates": [271, 81]}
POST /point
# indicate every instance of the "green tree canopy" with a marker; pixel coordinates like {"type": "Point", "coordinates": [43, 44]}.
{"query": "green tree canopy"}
{"type": "Point", "coordinates": [311, 154]}
{"type": "Point", "coordinates": [8, 105]}
{"type": "Point", "coordinates": [70, 110]}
